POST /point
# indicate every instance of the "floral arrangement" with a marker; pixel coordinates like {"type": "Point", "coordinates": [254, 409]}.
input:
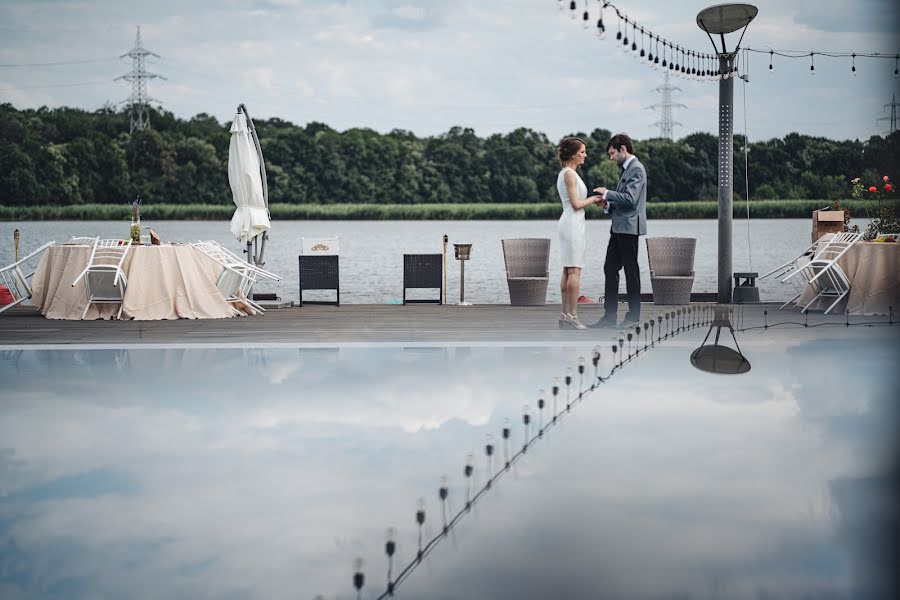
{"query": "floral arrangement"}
{"type": "Point", "coordinates": [877, 199]}
{"type": "Point", "coordinates": [136, 220]}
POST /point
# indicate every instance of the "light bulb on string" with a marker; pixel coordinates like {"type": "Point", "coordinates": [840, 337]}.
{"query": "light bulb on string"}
{"type": "Point", "coordinates": [812, 63]}
{"type": "Point", "coordinates": [625, 39]}
{"type": "Point", "coordinates": [664, 62]}
{"type": "Point", "coordinates": [601, 27]}
{"type": "Point", "coordinates": [650, 54]}
{"type": "Point", "coordinates": [572, 8]}
{"type": "Point", "coordinates": [656, 58]}
{"type": "Point", "coordinates": [585, 18]}
{"type": "Point", "coordinates": [853, 65]}
{"type": "Point", "coordinates": [771, 56]}
{"type": "Point", "coordinates": [619, 32]}
{"type": "Point", "coordinates": [896, 63]}
{"type": "Point", "coordinates": [634, 38]}
{"type": "Point", "coordinates": [643, 53]}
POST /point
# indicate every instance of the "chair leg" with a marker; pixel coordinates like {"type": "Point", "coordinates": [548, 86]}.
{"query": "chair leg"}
{"type": "Point", "coordinates": [121, 306]}
{"type": "Point", "coordinates": [86, 307]}
{"type": "Point", "coordinates": [839, 298]}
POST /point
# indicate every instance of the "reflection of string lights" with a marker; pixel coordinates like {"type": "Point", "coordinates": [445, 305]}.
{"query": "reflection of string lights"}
{"type": "Point", "coordinates": [688, 318]}
{"type": "Point", "coordinates": [691, 64]}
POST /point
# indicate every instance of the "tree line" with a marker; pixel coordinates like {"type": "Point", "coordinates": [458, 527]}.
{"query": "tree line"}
{"type": "Point", "coordinates": [68, 156]}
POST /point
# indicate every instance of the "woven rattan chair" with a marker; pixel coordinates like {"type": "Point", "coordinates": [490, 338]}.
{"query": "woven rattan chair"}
{"type": "Point", "coordinates": [423, 271]}
{"type": "Point", "coordinates": [527, 270]}
{"type": "Point", "coordinates": [671, 269]}
{"type": "Point", "coordinates": [319, 273]}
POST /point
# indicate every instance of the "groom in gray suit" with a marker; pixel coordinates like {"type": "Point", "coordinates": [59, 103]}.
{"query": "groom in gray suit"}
{"type": "Point", "coordinates": [627, 206]}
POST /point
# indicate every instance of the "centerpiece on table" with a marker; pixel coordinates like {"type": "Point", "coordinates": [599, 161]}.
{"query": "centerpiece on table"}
{"type": "Point", "coordinates": [136, 220]}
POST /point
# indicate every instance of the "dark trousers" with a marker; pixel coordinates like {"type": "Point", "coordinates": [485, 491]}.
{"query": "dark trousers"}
{"type": "Point", "coordinates": [622, 252]}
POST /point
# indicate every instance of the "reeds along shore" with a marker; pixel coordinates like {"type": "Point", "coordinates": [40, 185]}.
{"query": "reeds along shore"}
{"type": "Point", "coordinates": [761, 209]}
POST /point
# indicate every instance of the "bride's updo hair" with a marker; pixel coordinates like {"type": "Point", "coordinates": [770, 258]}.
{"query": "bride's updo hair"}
{"type": "Point", "coordinates": [569, 147]}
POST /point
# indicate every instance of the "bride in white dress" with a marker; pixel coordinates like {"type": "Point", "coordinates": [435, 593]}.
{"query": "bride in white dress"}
{"type": "Point", "coordinates": [574, 198]}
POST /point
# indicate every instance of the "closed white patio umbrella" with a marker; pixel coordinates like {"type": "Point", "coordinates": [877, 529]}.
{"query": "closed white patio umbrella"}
{"type": "Point", "coordinates": [246, 175]}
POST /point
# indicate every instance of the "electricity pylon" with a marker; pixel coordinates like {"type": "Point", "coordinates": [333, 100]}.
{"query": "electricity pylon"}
{"type": "Point", "coordinates": [139, 100]}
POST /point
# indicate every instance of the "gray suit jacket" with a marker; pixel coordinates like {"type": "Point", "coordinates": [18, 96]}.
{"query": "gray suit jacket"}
{"type": "Point", "coordinates": [628, 204]}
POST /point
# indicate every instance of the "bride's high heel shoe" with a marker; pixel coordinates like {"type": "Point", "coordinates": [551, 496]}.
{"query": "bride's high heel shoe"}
{"type": "Point", "coordinates": [564, 322]}
{"type": "Point", "coordinates": [574, 323]}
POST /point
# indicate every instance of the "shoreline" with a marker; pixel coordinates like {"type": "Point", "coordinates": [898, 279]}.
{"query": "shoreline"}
{"type": "Point", "coordinates": [760, 209]}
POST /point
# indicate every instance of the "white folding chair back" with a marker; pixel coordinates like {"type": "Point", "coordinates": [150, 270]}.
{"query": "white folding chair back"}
{"type": "Point", "coordinates": [236, 279]}
{"type": "Point", "coordinates": [798, 272]}
{"type": "Point", "coordinates": [824, 274]}
{"type": "Point", "coordinates": [80, 241]}
{"type": "Point", "coordinates": [220, 253]}
{"type": "Point", "coordinates": [16, 280]}
{"type": "Point", "coordinates": [104, 280]}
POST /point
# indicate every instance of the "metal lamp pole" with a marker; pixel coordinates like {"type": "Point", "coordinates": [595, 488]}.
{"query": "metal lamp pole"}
{"type": "Point", "coordinates": [719, 20]}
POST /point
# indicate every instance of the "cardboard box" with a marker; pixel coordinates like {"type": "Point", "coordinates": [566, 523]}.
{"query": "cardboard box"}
{"type": "Point", "coordinates": [319, 246]}
{"type": "Point", "coordinates": [826, 221]}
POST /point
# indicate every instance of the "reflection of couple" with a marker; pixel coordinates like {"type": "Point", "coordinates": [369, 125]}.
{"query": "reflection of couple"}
{"type": "Point", "coordinates": [626, 205]}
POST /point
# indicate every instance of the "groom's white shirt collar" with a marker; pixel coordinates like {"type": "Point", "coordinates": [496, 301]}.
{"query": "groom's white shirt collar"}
{"type": "Point", "coordinates": [628, 162]}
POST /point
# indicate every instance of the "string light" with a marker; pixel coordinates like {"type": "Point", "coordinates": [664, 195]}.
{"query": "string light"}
{"type": "Point", "coordinates": [696, 65]}
{"type": "Point", "coordinates": [643, 54]}
{"type": "Point", "coordinates": [601, 28]}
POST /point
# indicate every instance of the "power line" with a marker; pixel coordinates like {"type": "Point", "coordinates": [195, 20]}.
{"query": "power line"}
{"type": "Point", "coordinates": [57, 85]}
{"type": "Point", "coordinates": [56, 63]}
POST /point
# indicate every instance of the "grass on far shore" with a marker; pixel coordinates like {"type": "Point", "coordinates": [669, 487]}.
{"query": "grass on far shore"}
{"type": "Point", "coordinates": [761, 209]}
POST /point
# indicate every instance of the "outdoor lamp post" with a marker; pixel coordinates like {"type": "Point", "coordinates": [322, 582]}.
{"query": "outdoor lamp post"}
{"type": "Point", "coordinates": [462, 252]}
{"type": "Point", "coordinates": [719, 20]}
{"type": "Point", "coordinates": [16, 240]}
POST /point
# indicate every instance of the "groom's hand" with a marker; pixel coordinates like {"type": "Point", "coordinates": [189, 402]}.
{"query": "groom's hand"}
{"type": "Point", "coordinates": [600, 190]}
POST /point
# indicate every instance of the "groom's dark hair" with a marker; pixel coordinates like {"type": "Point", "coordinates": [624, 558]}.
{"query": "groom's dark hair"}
{"type": "Point", "coordinates": [619, 140]}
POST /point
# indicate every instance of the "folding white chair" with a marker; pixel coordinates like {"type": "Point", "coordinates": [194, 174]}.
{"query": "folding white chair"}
{"type": "Point", "coordinates": [823, 273]}
{"type": "Point", "coordinates": [237, 277]}
{"type": "Point", "coordinates": [104, 280]}
{"type": "Point", "coordinates": [784, 273]}
{"type": "Point", "coordinates": [80, 241]}
{"type": "Point", "coordinates": [16, 281]}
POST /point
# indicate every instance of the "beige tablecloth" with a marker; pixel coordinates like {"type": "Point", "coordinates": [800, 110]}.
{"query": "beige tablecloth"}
{"type": "Point", "coordinates": [873, 269]}
{"type": "Point", "coordinates": [164, 282]}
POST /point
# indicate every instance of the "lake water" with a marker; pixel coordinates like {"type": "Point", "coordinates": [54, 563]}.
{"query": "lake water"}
{"type": "Point", "coordinates": [371, 261]}
{"type": "Point", "coordinates": [264, 473]}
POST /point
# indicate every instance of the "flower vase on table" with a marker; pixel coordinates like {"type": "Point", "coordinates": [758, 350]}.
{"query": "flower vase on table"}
{"type": "Point", "coordinates": [136, 221]}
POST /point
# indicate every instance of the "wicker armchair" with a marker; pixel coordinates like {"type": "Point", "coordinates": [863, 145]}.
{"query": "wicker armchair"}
{"type": "Point", "coordinates": [527, 270]}
{"type": "Point", "coordinates": [671, 269]}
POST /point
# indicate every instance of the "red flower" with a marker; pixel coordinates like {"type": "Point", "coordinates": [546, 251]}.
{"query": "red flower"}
{"type": "Point", "coordinates": [873, 189]}
{"type": "Point", "coordinates": [888, 187]}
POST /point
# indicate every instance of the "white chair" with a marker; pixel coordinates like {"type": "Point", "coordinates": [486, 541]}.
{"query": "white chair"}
{"type": "Point", "coordinates": [823, 273]}
{"type": "Point", "coordinates": [237, 277]}
{"type": "Point", "coordinates": [784, 273]}
{"type": "Point", "coordinates": [104, 280]}
{"type": "Point", "coordinates": [80, 241]}
{"type": "Point", "coordinates": [16, 281]}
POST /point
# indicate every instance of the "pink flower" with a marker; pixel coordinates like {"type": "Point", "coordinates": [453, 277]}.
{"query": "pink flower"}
{"type": "Point", "coordinates": [888, 187]}
{"type": "Point", "coordinates": [873, 189]}
{"type": "Point", "coordinates": [854, 181]}
{"type": "Point", "coordinates": [885, 178]}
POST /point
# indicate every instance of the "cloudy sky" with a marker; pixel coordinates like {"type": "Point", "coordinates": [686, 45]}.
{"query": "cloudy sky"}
{"type": "Point", "coordinates": [427, 65]}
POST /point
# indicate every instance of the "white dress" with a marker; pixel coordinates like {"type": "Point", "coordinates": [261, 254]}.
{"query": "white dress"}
{"type": "Point", "coordinates": [571, 223]}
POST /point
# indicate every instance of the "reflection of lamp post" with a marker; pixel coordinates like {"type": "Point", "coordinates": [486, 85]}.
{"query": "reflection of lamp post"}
{"type": "Point", "coordinates": [462, 252]}
{"type": "Point", "coordinates": [719, 20]}
{"type": "Point", "coordinates": [16, 240]}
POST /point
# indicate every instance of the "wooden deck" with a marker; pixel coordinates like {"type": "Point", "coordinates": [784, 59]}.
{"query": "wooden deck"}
{"type": "Point", "coordinates": [359, 324]}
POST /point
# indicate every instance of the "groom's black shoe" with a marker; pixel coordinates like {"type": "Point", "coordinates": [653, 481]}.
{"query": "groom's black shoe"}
{"type": "Point", "coordinates": [631, 320]}
{"type": "Point", "coordinates": [605, 322]}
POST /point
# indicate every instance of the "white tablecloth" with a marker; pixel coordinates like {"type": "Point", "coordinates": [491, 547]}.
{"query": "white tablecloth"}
{"type": "Point", "coordinates": [164, 282]}
{"type": "Point", "coordinates": [873, 269]}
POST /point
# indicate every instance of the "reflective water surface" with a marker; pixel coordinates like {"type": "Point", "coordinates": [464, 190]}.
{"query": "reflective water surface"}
{"type": "Point", "coordinates": [228, 473]}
